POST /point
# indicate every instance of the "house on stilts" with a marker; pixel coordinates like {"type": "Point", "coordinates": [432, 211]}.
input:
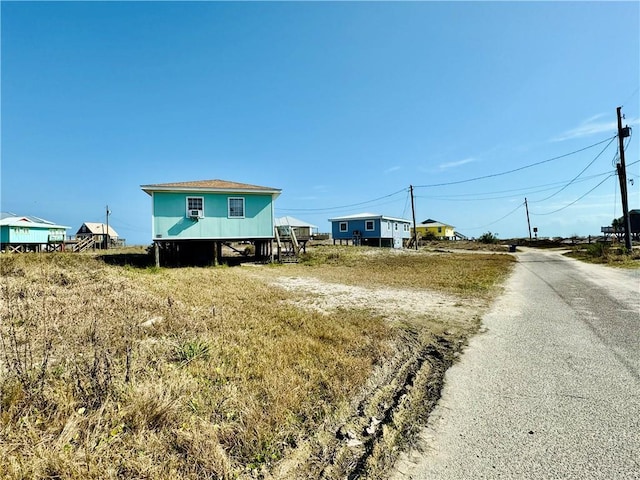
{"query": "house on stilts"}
{"type": "Point", "coordinates": [191, 221]}
{"type": "Point", "coordinates": [99, 235]}
{"type": "Point", "coordinates": [370, 229]}
{"type": "Point", "coordinates": [25, 233]}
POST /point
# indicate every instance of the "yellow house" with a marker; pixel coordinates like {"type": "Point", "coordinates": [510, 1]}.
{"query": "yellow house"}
{"type": "Point", "coordinates": [439, 230]}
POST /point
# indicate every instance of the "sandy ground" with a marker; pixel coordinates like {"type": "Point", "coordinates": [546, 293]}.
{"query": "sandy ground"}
{"type": "Point", "coordinates": [391, 303]}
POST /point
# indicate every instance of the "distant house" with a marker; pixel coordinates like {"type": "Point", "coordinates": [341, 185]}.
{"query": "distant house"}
{"type": "Point", "coordinates": [438, 230]}
{"type": "Point", "coordinates": [370, 229]}
{"type": "Point", "coordinates": [24, 233]}
{"type": "Point", "coordinates": [190, 221]}
{"type": "Point", "coordinates": [618, 228]}
{"type": "Point", "coordinates": [101, 234]}
{"type": "Point", "coordinates": [301, 228]}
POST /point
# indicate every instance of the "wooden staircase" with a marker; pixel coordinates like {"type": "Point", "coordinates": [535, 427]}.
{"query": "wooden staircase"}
{"type": "Point", "coordinates": [84, 244]}
{"type": "Point", "coordinates": [288, 246]}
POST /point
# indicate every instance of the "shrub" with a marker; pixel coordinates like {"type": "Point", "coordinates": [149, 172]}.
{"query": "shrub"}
{"type": "Point", "coordinates": [429, 236]}
{"type": "Point", "coordinates": [488, 237]}
{"type": "Point", "coordinates": [599, 250]}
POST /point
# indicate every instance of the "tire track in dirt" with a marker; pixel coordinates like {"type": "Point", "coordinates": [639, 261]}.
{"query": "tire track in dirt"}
{"type": "Point", "coordinates": [400, 395]}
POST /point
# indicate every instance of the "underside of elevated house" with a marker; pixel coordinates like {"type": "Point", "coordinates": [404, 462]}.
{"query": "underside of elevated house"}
{"type": "Point", "coordinates": [211, 252]}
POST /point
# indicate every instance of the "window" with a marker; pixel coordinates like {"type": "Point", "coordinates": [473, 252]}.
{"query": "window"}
{"type": "Point", "coordinates": [236, 207]}
{"type": "Point", "coordinates": [406, 227]}
{"type": "Point", "coordinates": [368, 225]}
{"type": "Point", "coordinates": [439, 229]}
{"type": "Point", "coordinates": [395, 226]}
{"type": "Point", "coordinates": [343, 226]}
{"type": "Point", "coordinates": [195, 206]}
{"type": "Point", "coordinates": [194, 203]}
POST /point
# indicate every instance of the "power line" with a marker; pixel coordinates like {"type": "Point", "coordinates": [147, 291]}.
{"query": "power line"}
{"type": "Point", "coordinates": [515, 169]}
{"type": "Point", "coordinates": [327, 209]}
{"type": "Point", "coordinates": [577, 176]}
{"type": "Point", "coordinates": [450, 197]}
{"type": "Point", "coordinates": [616, 157]}
{"type": "Point", "coordinates": [406, 204]}
{"type": "Point", "coordinates": [514, 192]}
{"type": "Point", "coordinates": [577, 199]}
{"type": "Point", "coordinates": [495, 221]}
{"type": "Point", "coordinates": [631, 96]}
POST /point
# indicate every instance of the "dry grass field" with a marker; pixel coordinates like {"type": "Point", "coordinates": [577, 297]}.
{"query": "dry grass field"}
{"type": "Point", "coordinates": [318, 370]}
{"type": "Point", "coordinates": [604, 254]}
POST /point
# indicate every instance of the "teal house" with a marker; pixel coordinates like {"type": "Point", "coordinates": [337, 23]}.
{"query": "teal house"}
{"type": "Point", "coordinates": [30, 234]}
{"type": "Point", "coordinates": [190, 221]}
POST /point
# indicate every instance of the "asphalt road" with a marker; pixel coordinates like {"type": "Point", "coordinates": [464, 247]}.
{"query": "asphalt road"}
{"type": "Point", "coordinates": [550, 389]}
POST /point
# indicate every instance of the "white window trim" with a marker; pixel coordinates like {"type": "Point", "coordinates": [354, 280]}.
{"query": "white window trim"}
{"type": "Point", "coordinates": [373, 225]}
{"type": "Point", "coordinates": [186, 201]}
{"type": "Point", "coordinates": [346, 227]}
{"type": "Point", "coordinates": [244, 207]}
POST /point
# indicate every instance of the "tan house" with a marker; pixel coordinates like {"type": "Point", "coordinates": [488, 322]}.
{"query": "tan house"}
{"type": "Point", "coordinates": [101, 234]}
{"type": "Point", "coordinates": [438, 230]}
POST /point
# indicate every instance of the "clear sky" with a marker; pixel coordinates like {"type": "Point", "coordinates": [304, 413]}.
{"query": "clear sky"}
{"type": "Point", "coordinates": [341, 105]}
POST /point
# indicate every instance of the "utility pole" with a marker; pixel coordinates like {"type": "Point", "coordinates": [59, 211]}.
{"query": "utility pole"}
{"type": "Point", "coordinates": [106, 238]}
{"type": "Point", "coordinates": [526, 206]}
{"type": "Point", "coordinates": [413, 213]}
{"type": "Point", "coordinates": [622, 176]}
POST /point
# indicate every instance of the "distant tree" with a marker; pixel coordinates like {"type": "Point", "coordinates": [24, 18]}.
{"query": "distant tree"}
{"type": "Point", "coordinates": [617, 223]}
{"type": "Point", "coordinates": [488, 237]}
{"type": "Point", "coordinates": [618, 227]}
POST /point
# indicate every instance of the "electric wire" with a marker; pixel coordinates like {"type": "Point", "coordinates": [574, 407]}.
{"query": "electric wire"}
{"type": "Point", "coordinates": [492, 175]}
{"type": "Point", "coordinates": [576, 200]}
{"type": "Point", "coordinates": [406, 203]}
{"type": "Point", "coordinates": [630, 96]}
{"type": "Point", "coordinates": [609, 175]}
{"type": "Point", "coordinates": [495, 221]}
{"type": "Point", "coordinates": [616, 157]}
{"type": "Point", "coordinates": [337, 212]}
{"type": "Point", "coordinates": [367, 202]}
{"type": "Point", "coordinates": [528, 191]}
{"type": "Point", "coordinates": [575, 179]}
{"type": "Point", "coordinates": [577, 176]}
{"type": "Point", "coordinates": [514, 191]}
{"type": "Point", "coordinates": [341, 207]}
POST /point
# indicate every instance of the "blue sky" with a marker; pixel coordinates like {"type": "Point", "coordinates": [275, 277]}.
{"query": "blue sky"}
{"type": "Point", "coordinates": [341, 105]}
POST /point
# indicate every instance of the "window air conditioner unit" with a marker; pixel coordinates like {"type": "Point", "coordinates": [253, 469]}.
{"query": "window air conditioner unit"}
{"type": "Point", "coordinates": [195, 214]}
